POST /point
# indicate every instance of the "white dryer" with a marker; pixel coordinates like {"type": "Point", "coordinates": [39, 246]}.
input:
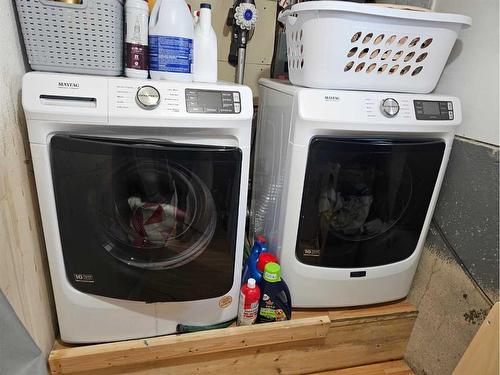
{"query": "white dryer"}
{"type": "Point", "coordinates": [142, 188]}
{"type": "Point", "coordinates": [345, 185]}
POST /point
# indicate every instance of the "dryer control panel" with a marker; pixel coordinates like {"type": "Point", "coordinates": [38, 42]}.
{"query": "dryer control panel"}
{"type": "Point", "coordinates": [433, 110]}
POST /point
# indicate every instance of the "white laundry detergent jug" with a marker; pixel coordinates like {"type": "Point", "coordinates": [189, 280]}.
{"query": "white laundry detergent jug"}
{"type": "Point", "coordinates": [171, 35]}
{"type": "Point", "coordinates": [205, 47]}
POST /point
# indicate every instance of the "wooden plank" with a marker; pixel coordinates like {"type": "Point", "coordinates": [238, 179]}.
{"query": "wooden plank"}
{"type": "Point", "coordinates": [378, 311]}
{"type": "Point", "coordinates": [345, 346]}
{"type": "Point", "coordinates": [24, 274]}
{"type": "Point", "coordinates": [385, 368]}
{"type": "Point", "coordinates": [126, 353]}
{"type": "Point", "coordinates": [481, 356]}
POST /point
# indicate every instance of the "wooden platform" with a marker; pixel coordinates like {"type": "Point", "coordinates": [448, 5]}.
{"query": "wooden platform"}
{"type": "Point", "coordinates": [385, 368]}
{"type": "Point", "coordinates": [313, 341]}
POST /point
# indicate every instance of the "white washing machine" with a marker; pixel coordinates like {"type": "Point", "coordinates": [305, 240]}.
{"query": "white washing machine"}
{"type": "Point", "coordinates": [142, 188]}
{"type": "Point", "coordinates": [345, 185]}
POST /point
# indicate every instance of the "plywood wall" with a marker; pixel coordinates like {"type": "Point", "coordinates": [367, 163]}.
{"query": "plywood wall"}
{"type": "Point", "coordinates": [23, 268]}
{"type": "Point", "coordinates": [260, 48]}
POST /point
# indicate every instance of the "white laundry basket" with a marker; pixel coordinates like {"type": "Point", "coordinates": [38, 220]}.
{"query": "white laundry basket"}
{"type": "Point", "coordinates": [73, 36]}
{"type": "Point", "coordinates": [344, 45]}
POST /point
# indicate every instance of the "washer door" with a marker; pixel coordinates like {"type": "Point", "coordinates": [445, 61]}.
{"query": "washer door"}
{"type": "Point", "coordinates": [146, 220]}
{"type": "Point", "coordinates": [365, 201]}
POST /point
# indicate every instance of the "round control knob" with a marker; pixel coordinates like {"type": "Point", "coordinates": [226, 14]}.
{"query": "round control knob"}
{"type": "Point", "coordinates": [389, 107]}
{"type": "Point", "coordinates": [147, 97]}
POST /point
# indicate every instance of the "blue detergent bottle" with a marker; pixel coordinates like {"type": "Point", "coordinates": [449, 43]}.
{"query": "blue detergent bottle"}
{"type": "Point", "coordinates": [250, 270]}
{"type": "Point", "coordinates": [275, 302]}
{"type": "Point", "coordinates": [263, 244]}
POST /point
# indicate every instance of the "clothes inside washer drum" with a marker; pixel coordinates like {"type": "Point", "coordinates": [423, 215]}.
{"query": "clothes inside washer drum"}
{"type": "Point", "coordinates": [154, 222]}
{"type": "Point", "coordinates": [167, 228]}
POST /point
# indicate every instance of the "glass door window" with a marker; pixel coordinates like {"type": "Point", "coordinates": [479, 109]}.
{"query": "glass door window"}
{"type": "Point", "coordinates": [146, 220]}
{"type": "Point", "coordinates": [365, 201]}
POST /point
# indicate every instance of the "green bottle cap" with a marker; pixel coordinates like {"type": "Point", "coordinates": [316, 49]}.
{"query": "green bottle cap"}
{"type": "Point", "coordinates": [272, 272]}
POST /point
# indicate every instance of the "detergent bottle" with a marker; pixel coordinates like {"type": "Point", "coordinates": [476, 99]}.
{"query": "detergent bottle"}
{"type": "Point", "coordinates": [205, 47]}
{"type": "Point", "coordinates": [262, 244]}
{"type": "Point", "coordinates": [250, 268]}
{"type": "Point", "coordinates": [275, 301]}
{"type": "Point", "coordinates": [136, 39]}
{"type": "Point", "coordinates": [265, 258]}
{"type": "Point", "coordinates": [171, 34]}
{"type": "Point", "coordinates": [249, 303]}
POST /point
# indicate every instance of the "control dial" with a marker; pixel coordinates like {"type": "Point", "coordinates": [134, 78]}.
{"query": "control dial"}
{"type": "Point", "coordinates": [147, 97]}
{"type": "Point", "coordinates": [389, 107]}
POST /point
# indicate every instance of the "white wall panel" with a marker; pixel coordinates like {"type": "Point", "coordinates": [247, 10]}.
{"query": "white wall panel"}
{"type": "Point", "coordinates": [472, 71]}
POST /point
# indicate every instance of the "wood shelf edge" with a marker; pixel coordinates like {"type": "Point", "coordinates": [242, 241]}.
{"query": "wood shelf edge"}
{"type": "Point", "coordinates": [63, 360]}
{"type": "Point", "coordinates": [400, 308]}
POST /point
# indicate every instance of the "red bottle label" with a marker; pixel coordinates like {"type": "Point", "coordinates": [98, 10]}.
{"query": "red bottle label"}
{"type": "Point", "coordinates": [137, 56]}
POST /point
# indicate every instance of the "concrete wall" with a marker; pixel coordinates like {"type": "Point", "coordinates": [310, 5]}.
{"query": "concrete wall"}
{"type": "Point", "coordinates": [24, 276]}
{"type": "Point", "coordinates": [467, 212]}
{"type": "Point", "coordinates": [450, 310]}
{"type": "Point", "coordinates": [457, 278]}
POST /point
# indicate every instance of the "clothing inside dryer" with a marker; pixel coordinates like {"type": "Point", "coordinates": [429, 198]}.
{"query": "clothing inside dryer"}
{"type": "Point", "coordinates": [349, 206]}
{"type": "Point", "coordinates": [364, 201]}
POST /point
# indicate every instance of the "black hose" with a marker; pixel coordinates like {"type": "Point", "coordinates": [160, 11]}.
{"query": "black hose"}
{"type": "Point", "coordinates": [182, 328]}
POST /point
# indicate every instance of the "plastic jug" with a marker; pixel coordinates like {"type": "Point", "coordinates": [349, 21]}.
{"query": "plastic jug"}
{"type": "Point", "coordinates": [250, 269]}
{"type": "Point", "coordinates": [275, 301]}
{"type": "Point", "coordinates": [249, 303]}
{"type": "Point", "coordinates": [205, 47]}
{"type": "Point", "coordinates": [171, 35]}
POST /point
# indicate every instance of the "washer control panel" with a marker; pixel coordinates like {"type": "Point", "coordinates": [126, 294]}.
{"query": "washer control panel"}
{"type": "Point", "coordinates": [147, 97]}
{"type": "Point", "coordinates": [433, 110]}
{"type": "Point", "coordinates": [130, 98]}
{"type": "Point", "coordinates": [389, 107]}
{"type": "Point", "coordinates": [212, 101]}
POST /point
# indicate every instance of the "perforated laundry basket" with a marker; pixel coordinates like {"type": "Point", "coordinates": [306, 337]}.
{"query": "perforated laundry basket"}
{"type": "Point", "coordinates": [344, 45]}
{"type": "Point", "coordinates": [61, 36]}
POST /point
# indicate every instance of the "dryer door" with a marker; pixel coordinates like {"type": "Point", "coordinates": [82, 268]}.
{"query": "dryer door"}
{"type": "Point", "coordinates": [146, 220]}
{"type": "Point", "coordinates": [365, 201]}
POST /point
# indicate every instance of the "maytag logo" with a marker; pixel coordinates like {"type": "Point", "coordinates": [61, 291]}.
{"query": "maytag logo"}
{"type": "Point", "coordinates": [331, 98]}
{"type": "Point", "coordinates": [68, 85]}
